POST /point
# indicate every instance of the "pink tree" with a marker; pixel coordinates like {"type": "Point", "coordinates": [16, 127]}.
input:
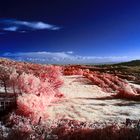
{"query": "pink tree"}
{"type": "Point", "coordinates": [37, 93]}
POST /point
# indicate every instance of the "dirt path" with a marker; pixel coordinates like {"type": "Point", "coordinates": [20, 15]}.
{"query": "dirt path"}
{"type": "Point", "coordinates": [86, 102]}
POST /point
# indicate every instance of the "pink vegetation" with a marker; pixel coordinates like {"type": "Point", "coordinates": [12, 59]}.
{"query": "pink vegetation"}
{"type": "Point", "coordinates": [35, 85]}
{"type": "Point", "coordinates": [36, 92]}
{"type": "Point", "coordinates": [108, 82]}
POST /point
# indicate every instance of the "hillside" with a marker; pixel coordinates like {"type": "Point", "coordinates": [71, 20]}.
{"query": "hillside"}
{"type": "Point", "coordinates": [130, 63]}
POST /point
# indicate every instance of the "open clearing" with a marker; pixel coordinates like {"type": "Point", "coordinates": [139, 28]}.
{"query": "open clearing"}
{"type": "Point", "coordinates": [86, 102]}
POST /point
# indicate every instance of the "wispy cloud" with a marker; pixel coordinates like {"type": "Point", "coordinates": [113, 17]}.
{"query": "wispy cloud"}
{"type": "Point", "coordinates": [63, 58]}
{"type": "Point", "coordinates": [12, 28]}
{"type": "Point", "coordinates": [13, 25]}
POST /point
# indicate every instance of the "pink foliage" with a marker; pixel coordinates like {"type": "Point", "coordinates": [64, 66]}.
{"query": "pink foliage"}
{"type": "Point", "coordinates": [128, 92]}
{"type": "Point", "coordinates": [73, 70]}
{"type": "Point", "coordinates": [38, 92]}
{"type": "Point", "coordinates": [108, 82]}
{"type": "Point", "coordinates": [37, 85]}
{"type": "Point", "coordinates": [28, 83]}
{"type": "Point", "coordinates": [52, 75]}
{"type": "Point", "coordinates": [33, 106]}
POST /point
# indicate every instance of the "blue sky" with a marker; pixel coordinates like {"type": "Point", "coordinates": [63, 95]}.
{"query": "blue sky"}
{"type": "Point", "coordinates": [70, 31]}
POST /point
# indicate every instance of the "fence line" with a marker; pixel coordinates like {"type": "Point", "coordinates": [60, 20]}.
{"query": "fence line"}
{"type": "Point", "coordinates": [7, 101]}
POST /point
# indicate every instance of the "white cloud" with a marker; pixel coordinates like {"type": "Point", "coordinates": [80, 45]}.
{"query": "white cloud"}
{"type": "Point", "coordinates": [37, 25]}
{"type": "Point", "coordinates": [63, 58]}
{"type": "Point", "coordinates": [14, 25]}
{"type": "Point", "coordinates": [12, 28]}
{"type": "Point", "coordinates": [70, 52]}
